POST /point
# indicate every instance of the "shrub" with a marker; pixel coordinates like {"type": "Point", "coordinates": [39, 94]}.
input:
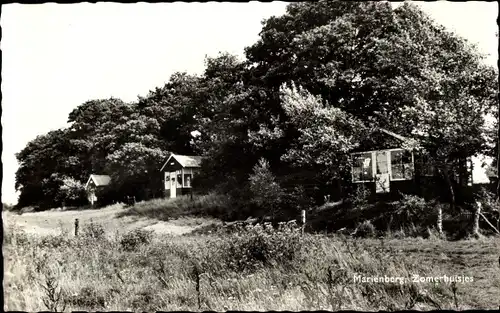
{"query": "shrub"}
{"type": "Point", "coordinates": [54, 241]}
{"type": "Point", "coordinates": [412, 214]}
{"type": "Point", "coordinates": [491, 205]}
{"type": "Point", "coordinates": [256, 246]}
{"type": "Point", "coordinates": [88, 297]}
{"type": "Point", "coordinates": [135, 238]}
{"type": "Point", "coordinates": [93, 231]}
{"type": "Point", "coordinates": [365, 230]}
{"type": "Point", "coordinates": [266, 192]}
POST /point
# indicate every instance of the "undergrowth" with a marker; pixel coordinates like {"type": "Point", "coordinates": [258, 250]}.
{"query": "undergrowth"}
{"type": "Point", "coordinates": [256, 267]}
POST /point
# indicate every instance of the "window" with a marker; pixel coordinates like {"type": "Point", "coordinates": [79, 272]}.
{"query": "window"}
{"type": "Point", "coordinates": [179, 180]}
{"type": "Point", "coordinates": [401, 165]}
{"type": "Point", "coordinates": [362, 167]}
{"type": "Point", "coordinates": [382, 166]}
{"type": "Point", "coordinates": [187, 180]}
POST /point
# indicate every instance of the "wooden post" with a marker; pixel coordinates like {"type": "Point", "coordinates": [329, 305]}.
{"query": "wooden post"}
{"type": "Point", "coordinates": [76, 227]}
{"type": "Point", "coordinates": [475, 229]}
{"type": "Point", "coordinates": [303, 218]}
{"type": "Point", "coordinates": [440, 220]}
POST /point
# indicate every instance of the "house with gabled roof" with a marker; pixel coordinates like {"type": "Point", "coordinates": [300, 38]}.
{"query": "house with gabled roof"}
{"type": "Point", "coordinates": [386, 163]}
{"type": "Point", "coordinates": [94, 184]}
{"type": "Point", "coordinates": [178, 173]}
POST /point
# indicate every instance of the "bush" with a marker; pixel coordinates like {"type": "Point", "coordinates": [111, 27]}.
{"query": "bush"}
{"type": "Point", "coordinates": [93, 231]}
{"type": "Point", "coordinates": [54, 241]}
{"type": "Point", "coordinates": [266, 192]}
{"type": "Point", "coordinates": [255, 246]}
{"type": "Point", "coordinates": [88, 298]}
{"type": "Point", "coordinates": [412, 214]}
{"type": "Point", "coordinates": [365, 230]}
{"type": "Point", "coordinates": [135, 238]}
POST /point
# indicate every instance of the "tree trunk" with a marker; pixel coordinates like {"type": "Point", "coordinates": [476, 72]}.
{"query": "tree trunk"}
{"type": "Point", "coordinates": [450, 187]}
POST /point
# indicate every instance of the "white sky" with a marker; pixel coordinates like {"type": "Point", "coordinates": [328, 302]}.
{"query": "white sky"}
{"type": "Point", "coordinates": [55, 56]}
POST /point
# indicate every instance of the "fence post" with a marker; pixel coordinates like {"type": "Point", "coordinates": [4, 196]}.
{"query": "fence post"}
{"type": "Point", "coordinates": [475, 229]}
{"type": "Point", "coordinates": [76, 227]}
{"type": "Point", "coordinates": [440, 221]}
{"type": "Point", "coordinates": [303, 218]}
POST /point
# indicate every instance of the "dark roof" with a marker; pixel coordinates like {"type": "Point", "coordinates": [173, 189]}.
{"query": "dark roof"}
{"type": "Point", "coordinates": [99, 180]}
{"type": "Point", "coordinates": [402, 138]}
{"type": "Point", "coordinates": [185, 160]}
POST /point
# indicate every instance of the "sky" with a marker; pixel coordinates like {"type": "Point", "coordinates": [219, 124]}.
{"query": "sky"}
{"type": "Point", "coordinates": [57, 56]}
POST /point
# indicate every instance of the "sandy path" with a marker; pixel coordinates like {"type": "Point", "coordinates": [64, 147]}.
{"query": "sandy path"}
{"type": "Point", "coordinates": [56, 221]}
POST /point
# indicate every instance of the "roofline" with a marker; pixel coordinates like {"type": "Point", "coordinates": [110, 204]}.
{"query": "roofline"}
{"type": "Point", "coordinates": [172, 155]}
{"type": "Point", "coordinates": [92, 178]}
{"type": "Point", "coordinates": [402, 138]}
{"type": "Point", "coordinates": [88, 181]}
{"type": "Point", "coordinates": [165, 164]}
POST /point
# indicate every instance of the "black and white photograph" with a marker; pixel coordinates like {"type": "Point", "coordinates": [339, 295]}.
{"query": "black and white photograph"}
{"type": "Point", "coordinates": [250, 156]}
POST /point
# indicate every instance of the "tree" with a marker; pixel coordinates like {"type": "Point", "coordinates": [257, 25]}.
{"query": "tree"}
{"type": "Point", "coordinates": [71, 192]}
{"type": "Point", "coordinates": [134, 170]}
{"type": "Point", "coordinates": [266, 192]}
{"type": "Point", "coordinates": [395, 69]}
{"type": "Point", "coordinates": [326, 134]}
{"type": "Point", "coordinates": [40, 162]}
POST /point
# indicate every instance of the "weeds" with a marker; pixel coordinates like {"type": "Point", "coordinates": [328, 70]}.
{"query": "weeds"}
{"type": "Point", "coordinates": [135, 238]}
{"type": "Point", "coordinates": [257, 267]}
{"type": "Point", "coordinates": [54, 299]}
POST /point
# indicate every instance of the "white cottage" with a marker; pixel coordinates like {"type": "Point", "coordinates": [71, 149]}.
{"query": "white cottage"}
{"type": "Point", "coordinates": [178, 172]}
{"type": "Point", "coordinates": [94, 183]}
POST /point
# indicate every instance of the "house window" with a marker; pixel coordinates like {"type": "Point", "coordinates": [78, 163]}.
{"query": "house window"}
{"type": "Point", "coordinates": [187, 180]}
{"type": "Point", "coordinates": [179, 179]}
{"type": "Point", "coordinates": [401, 165]}
{"type": "Point", "coordinates": [362, 167]}
{"type": "Point", "coordinates": [382, 166]}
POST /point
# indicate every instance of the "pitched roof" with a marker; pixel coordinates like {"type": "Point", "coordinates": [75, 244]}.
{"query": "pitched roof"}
{"type": "Point", "coordinates": [402, 138]}
{"type": "Point", "coordinates": [99, 180]}
{"type": "Point", "coordinates": [185, 160]}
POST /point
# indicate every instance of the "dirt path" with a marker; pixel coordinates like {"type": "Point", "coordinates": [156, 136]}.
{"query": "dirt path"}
{"type": "Point", "coordinates": [56, 221]}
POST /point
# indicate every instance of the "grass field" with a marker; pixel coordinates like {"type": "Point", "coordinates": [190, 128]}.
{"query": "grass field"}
{"type": "Point", "coordinates": [124, 262]}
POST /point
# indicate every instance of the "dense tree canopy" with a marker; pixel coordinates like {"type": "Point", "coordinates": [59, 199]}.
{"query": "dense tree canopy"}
{"type": "Point", "coordinates": [318, 77]}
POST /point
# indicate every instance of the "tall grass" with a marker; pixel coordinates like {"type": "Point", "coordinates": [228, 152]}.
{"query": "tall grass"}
{"type": "Point", "coordinates": [254, 268]}
{"type": "Point", "coordinates": [170, 208]}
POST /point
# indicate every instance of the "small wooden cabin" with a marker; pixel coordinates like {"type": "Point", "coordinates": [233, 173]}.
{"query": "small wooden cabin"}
{"type": "Point", "coordinates": [94, 183]}
{"type": "Point", "coordinates": [384, 167]}
{"type": "Point", "coordinates": [178, 172]}
{"type": "Point", "coordinates": [381, 163]}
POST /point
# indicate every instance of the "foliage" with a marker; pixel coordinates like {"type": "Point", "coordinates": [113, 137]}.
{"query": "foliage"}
{"type": "Point", "coordinates": [266, 192]}
{"type": "Point", "coordinates": [254, 247]}
{"type": "Point", "coordinates": [93, 231]}
{"type": "Point", "coordinates": [326, 134]}
{"type": "Point", "coordinates": [316, 81]}
{"type": "Point", "coordinates": [280, 270]}
{"type": "Point", "coordinates": [365, 230]}
{"type": "Point", "coordinates": [412, 209]}
{"type": "Point", "coordinates": [7, 207]}
{"type": "Point", "coordinates": [135, 238]}
{"type": "Point", "coordinates": [72, 192]}
{"type": "Point", "coordinates": [212, 204]}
